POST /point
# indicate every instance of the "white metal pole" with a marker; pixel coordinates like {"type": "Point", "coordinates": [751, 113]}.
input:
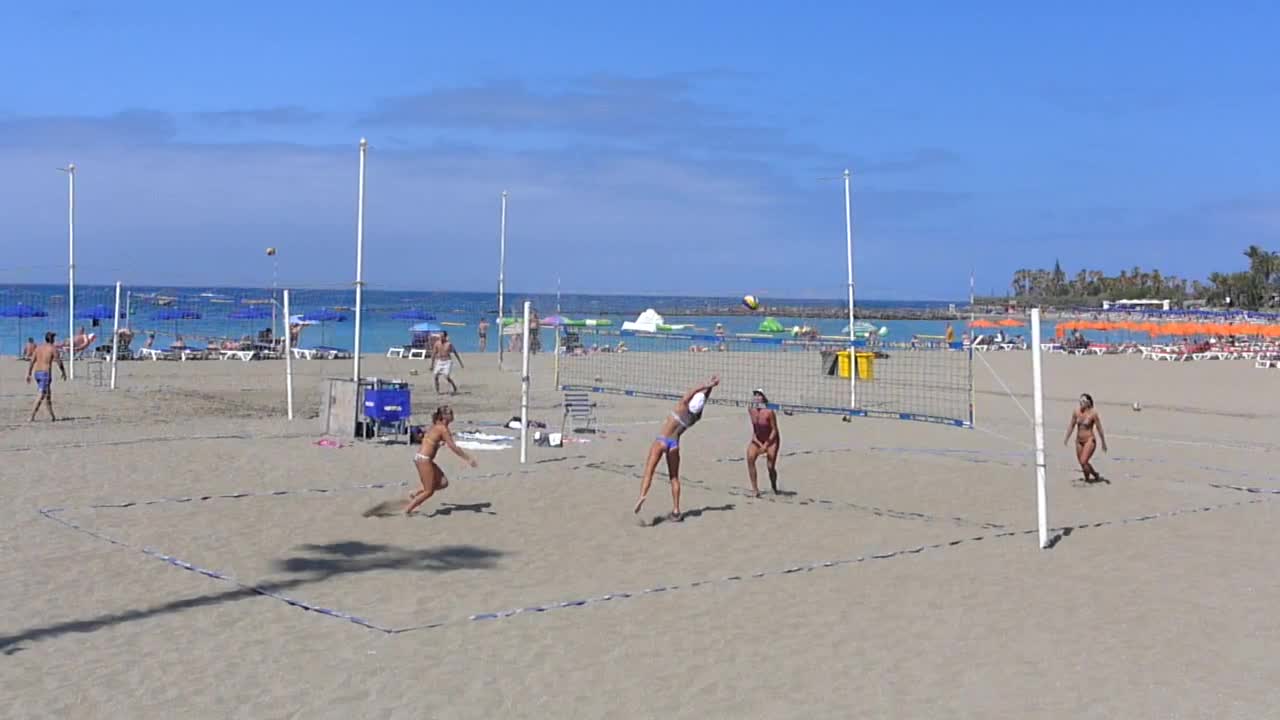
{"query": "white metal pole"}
{"type": "Point", "coordinates": [524, 388]}
{"type": "Point", "coordinates": [1042, 500]}
{"type": "Point", "coordinates": [853, 355]}
{"type": "Point", "coordinates": [973, 395]}
{"type": "Point", "coordinates": [115, 337]}
{"type": "Point", "coordinates": [502, 272]}
{"type": "Point", "coordinates": [556, 329]}
{"type": "Point", "coordinates": [288, 360]}
{"type": "Point", "coordinates": [70, 170]}
{"type": "Point", "coordinates": [355, 371]}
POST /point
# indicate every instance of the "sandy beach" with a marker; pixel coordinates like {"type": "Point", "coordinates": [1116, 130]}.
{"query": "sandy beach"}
{"type": "Point", "coordinates": [897, 577]}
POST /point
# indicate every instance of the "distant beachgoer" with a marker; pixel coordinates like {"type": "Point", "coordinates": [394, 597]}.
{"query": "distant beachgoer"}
{"type": "Point", "coordinates": [1084, 423]}
{"type": "Point", "coordinates": [295, 334]}
{"type": "Point", "coordinates": [764, 439]}
{"type": "Point", "coordinates": [482, 331]}
{"type": "Point", "coordinates": [29, 348]}
{"type": "Point", "coordinates": [535, 330]}
{"type": "Point", "coordinates": [429, 473]}
{"type": "Point", "coordinates": [151, 340]}
{"type": "Point", "coordinates": [688, 411]}
{"type": "Point", "coordinates": [951, 334]}
{"type": "Point", "coordinates": [82, 340]}
{"type": "Point", "coordinates": [40, 368]}
{"type": "Point", "coordinates": [442, 354]}
{"type": "Point", "coordinates": [179, 343]}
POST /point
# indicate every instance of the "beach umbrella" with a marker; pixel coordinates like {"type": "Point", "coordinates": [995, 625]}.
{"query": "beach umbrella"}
{"type": "Point", "coordinates": [256, 312]}
{"type": "Point", "coordinates": [174, 315]}
{"type": "Point", "coordinates": [252, 312]}
{"type": "Point", "coordinates": [1010, 322]}
{"type": "Point", "coordinates": [413, 314]}
{"type": "Point", "coordinates": [98, 312]}
{"type": "Point", "coordinates": [426, 327]}
{"type": "Point", "coordinates": [20, 312]}
{"type": "Point", "coordinates": [321, 316]}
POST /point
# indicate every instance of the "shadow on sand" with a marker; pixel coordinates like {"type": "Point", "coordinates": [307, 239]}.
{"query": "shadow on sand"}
{"type": "Point", "coordinates": [688, 514]}
{"type": "Point", "coordinates": [314, 564]}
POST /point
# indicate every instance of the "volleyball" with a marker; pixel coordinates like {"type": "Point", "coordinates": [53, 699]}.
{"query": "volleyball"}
{"type": "Point", "coordinates": [751, 302]}
{"type": "Point", "coordinates": [271, 251]}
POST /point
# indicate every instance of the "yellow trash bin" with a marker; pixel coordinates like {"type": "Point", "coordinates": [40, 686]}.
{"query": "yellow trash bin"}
{"type": "Point", "coordinates": [866, 364]}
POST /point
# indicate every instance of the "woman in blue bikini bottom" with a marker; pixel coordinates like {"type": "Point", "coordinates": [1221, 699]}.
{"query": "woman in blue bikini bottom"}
{"type": "Point", "coordinates": [687, 412]}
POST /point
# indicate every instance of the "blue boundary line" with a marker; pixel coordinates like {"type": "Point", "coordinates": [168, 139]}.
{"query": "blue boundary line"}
{"type": "Point", "coordinates": [54, 514]}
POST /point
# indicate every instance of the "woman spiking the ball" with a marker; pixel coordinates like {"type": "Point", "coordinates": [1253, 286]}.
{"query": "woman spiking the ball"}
{"type": "Point", "coordinates": [429, 474]}
{"type": "Point", "coordinates": [1084, 423]}
{"type": "Point", "coordinates": [687, 412]}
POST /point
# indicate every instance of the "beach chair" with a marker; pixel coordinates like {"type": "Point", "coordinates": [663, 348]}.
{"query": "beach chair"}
{"type": "Point", "coordinates": [396, 351]}
{"type": "Point", "coordinates": [333, 353]}
{"type": "Point", "coordinates": [578, 404]}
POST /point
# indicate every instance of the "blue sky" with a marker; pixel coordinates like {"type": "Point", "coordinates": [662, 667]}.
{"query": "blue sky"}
{"type": "Point", "coordinates": [660, 147]}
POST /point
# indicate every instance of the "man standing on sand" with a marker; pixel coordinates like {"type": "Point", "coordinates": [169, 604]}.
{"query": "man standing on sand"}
{"type": "Point", "coordinates": [483, 331]}
{"type": "Point", "coordinates": [28, 349]}
{"type": "Point", "coordinates": [41, 368]}
{"type": "Point", "coordinates": [442, 354]}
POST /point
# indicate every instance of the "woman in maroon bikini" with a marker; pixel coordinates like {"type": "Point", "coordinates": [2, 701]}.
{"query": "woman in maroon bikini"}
{"type": "Point", "coordinates": [764, 439]}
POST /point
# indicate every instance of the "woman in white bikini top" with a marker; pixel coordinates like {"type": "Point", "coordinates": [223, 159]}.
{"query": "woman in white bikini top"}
{"type": "Point", "coordinates": [687, 413]}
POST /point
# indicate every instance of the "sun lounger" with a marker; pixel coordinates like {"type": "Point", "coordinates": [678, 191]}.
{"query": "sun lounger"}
{"type": "Point", "coordinates": [397, 352]}
{"type": "Point", "coordinates": [150, 353]}
{"type": "Point", "coordinates": [245, 355]}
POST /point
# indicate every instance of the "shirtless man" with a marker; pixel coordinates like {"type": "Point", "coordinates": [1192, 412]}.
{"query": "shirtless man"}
{"type": "Point", "coordinates": [41, 368]}
{"type": "Point", "coordinates": [764, 439]}
{"type": "Point", "coordinates": [28, 349]}
{"type": "Point", "coordinates": [483, 331]}
{"type": "Point", "coordinates": [442, 354]}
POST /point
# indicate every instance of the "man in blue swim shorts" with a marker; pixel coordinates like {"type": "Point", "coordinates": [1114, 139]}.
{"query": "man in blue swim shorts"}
{"type": "Point", "coordinates": [687, 412]}
{"type": "Point", "coordinates": [40, 368]}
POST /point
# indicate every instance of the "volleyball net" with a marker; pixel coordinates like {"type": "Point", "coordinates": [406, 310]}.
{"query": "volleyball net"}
{"type": "Point", "coordinates": [930, 383]}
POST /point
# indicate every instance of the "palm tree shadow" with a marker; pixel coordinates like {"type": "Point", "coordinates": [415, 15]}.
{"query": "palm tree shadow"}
{"type": "Point", "coordinates": [314, 564]}
{"type": "Point", "coordinates": [695, 513]}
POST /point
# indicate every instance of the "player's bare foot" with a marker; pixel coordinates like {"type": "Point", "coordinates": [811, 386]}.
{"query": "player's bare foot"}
{"type": "Point", "coordinates": [639, 503]}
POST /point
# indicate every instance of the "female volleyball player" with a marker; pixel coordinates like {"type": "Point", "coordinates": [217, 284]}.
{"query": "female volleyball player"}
{"type": "Point", "coordinates": [1084, 423]}
{"type": "Point", "coordinates": [687, 412]}
{"type": "Point", "coordinates": [429, 474]}
{"type": "Point", "coordinates": [764, 439]}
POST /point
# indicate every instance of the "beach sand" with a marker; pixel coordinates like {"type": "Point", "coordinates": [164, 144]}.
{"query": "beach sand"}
{"type": "Point", "coordinates": [898, 577]}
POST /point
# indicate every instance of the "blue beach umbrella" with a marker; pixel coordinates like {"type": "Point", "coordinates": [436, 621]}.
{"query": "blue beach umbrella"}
{"type": "Point", "coordinates": [20, 312]}
{"type": "Point", "coordinates": [413, 314]}
{"type": "Point", "coordinates": [98, 312]}
{"type": "Point", "coordinates": [426, 327]}
{"type": "Point", "coordinates": [174, 315]}
{"type": "Point", "coordinates": [322, 316]}
{"type": "Point", "coordinates": [250, 313]}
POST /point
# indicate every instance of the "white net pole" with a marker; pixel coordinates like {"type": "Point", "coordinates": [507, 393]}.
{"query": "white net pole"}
{"type": "Point", "coordinates": [1042, 500]}
{"type": "Point", "coordinates": [288, 360]}
{"type": "Point", "coordinates": [502, 271]}
{"type": "Point", "coordinates": [524, 388]}
{"type": "Point", "coordinates": [355, 370]}
{"type": "Point", "coordinates": [115, 337]}
{"type": "Point", "coordinates": [853, 353]}
{"type": "Point", "coordinates": [70, 170]}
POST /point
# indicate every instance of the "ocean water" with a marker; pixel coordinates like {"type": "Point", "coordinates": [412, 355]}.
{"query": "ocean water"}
{"type": "Point", "coordinates": [217, 313]}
